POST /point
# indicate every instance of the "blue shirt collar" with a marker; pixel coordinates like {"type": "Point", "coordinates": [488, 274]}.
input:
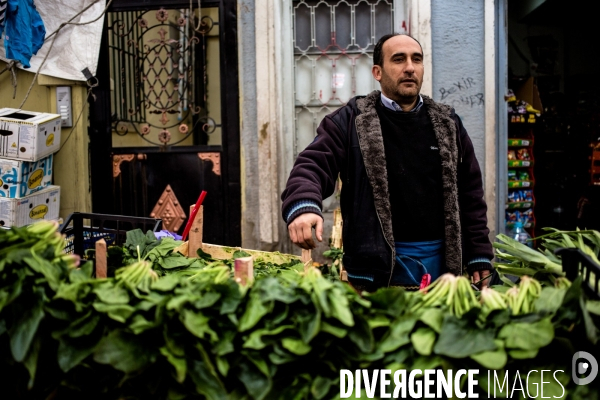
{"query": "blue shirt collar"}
{"type": "Point", "coordinates": [392, 105]}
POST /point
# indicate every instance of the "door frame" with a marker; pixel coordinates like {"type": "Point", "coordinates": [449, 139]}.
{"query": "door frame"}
{"type": "Point", "coordinates": [100, 132]}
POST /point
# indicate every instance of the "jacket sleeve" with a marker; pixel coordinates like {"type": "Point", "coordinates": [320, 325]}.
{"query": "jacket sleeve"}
{"type": "Point", "coordinates": [473, 209]}
{"type": "Point", "coordinates": [316, 169]}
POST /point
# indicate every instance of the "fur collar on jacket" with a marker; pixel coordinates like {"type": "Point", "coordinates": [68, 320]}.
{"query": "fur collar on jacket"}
{"type": "Point", "coordinates": [370, 140]}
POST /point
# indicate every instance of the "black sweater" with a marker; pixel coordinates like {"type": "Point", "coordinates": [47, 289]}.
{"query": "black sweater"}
{"type": "Point", "coordinates": [414, 170]}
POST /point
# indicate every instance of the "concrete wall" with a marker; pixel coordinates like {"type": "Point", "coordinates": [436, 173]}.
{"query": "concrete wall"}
{"type": "Point", "coordinates": [464, 36]}
{"type": "Point", "coordinates": [458, 63]}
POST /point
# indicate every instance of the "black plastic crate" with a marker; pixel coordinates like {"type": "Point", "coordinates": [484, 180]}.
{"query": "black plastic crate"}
{"type": "Point", "coordinates": [83, 230]}
{"type": "Point", "coordinates": [574, 263]}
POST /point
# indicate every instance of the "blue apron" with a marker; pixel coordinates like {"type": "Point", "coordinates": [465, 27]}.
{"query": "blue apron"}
{"type": "Point", "coordinates": [415, 259]}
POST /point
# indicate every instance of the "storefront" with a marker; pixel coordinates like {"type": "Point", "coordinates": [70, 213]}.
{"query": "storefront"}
{"type": "Point", "coordinates": [552, 64]}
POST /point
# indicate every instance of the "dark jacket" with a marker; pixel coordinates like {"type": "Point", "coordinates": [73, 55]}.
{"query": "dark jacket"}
{"type": "Point", "coordinates": [349, 142]}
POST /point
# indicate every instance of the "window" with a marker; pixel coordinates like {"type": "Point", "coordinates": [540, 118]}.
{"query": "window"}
{"type": "Point", "coordinates": [333, 54]}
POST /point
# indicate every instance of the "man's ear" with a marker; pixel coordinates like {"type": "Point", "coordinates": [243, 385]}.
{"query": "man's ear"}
{"type": "Point", "coordinates": [376, 71]}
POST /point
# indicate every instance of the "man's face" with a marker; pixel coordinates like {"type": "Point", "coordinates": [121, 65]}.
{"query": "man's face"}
{"type": "Point", "coordinates": [401, 75]}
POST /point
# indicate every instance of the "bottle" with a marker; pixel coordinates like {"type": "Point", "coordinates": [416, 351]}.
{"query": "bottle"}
{"type": "Point", "coordinates": [520, 234]}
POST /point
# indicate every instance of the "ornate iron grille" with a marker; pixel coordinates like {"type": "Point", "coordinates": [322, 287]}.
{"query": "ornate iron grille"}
{"type": "Point", "coordinates": [159, 91]}
{"type": "Point", "coordinates": [333, 55]}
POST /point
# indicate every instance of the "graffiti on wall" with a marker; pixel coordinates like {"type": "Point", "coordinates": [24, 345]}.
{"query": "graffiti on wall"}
{"type": "Point", "coordinates": [463, 92]}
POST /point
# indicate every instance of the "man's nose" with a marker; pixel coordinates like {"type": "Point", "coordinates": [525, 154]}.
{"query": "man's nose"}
{"type": "Point", "coordinates": [409, 68]}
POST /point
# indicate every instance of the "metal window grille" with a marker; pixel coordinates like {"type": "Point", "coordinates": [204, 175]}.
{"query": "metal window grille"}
{"type": "Point", "coordinates": [333, 55]}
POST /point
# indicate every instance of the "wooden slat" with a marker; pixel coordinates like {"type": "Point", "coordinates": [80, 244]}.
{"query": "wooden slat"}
{"type": "Point", "coordinates": [244, 270]}
{"type": "Point", "coordinates": [195, 235]}
{"type": "Point", "coordinates": [225, 253]}
{"type": "Point", "coordinates": [101, 261]}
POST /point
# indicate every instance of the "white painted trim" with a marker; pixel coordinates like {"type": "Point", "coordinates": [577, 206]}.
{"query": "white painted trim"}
{"type": "Point", "coordinates": [490, 114]}
{"type": "Point", "coordinates": [401, 23]}
{"type": "Point", "coordinates": [268, 117]}
{"type": "Point", "coordinates": [420, 28]}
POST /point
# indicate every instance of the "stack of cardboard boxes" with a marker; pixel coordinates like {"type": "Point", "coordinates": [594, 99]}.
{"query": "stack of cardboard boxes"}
{"type": "Point", "coordinates": [28, 141]}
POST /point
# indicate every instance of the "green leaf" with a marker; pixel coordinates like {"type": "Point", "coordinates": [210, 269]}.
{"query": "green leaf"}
{"type": "Point", "coordinates": [84, 325]}
{"type": "Point", "coordinates": [198, 325]}
{"type": "Point", "coordinates": [255, 310]}
{"type": "Point", "coordinates": [178, 363]}
{"type": "Point", "coordinates": [520, 354]}
{"type": "Point", "coordinates": [255, 341]}
{"type": "Point", "coordinates": [433, 317]}
{"type": "Point", "coordinates": [333, 330]}
{"type": "Point", "coordinates": [398, 334]}
{"type": "Point", "coordinates": [378, 321]}
{"type": "Point", "coordinates": [207, 381]}
{"type": "Point", "coordinates": [310, 324]}
{"type": "Point", "coordinates": [118, 312]}
{"type": "Point", "coordinates": [593, 307]}
{"type": "Point", "coordinates": [31, 361]}
{"type": "Point", "coordinates": [461, 338]}
{"type": "Point", "coordinates": [527, 336]}
{"type": "Point", "coordinates": [423, 340]}
{"type": "Point", "coordinates": [240, 254]}
{"type": "Point", "coordinates": [173, 261]}
{"type": "Point", "coordinates": [111, 294]}
{"type": "Point", "coordinates": [166, 283]}
{"type": "Point", "coordinates": [361, 335]}
{"type": "Point", "coordinates": [256, 383]}
{"type": "Point", "coordinates": [24, 329]}
{"type": "Point", "coordinates": [72, 351]}
{"type": "Point", "coordinates": [495, 359]}
{"type": "Point", "coordinates": [123, 352]}
{"type": "Point", "coordinates": [550, 299]}
{"type": "Point", "coordinates": [222, 365]}
{"type": "Point", "coordinates": [207, 300]}
{"type": "Point", "coordinates": [296, 346]}
{"type": "Point", "coordinates": [320, 387]}
{"type": "Point", "coordinates": [340, 307]}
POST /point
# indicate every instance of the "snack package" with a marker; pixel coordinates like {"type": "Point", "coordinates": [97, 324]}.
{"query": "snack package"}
{"type": "Point", "coordinates": [512, 197]}
{"type": "Point", "coordinates": [526, 216]}
{"type": "Point", "coordinates": [512, 175]}
{"type": "Point", "coordinates": [523, 154]}
{"type": "Point", "coordinates": [512, 155]}
{"type": "Point", "coordinates": [513, 216]}
{"type": "Point", "coordinates": [527, 195]}
{"type": "Point", "coordinates": [522, 176]}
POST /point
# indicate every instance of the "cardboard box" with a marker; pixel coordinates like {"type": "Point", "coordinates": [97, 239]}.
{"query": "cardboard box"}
{"type": "Point", "coordinates": [22, 178]}
{"type": "Point", "coordinates": [28, 135]}
{"type": "Point", "coordinates": [44, 204]}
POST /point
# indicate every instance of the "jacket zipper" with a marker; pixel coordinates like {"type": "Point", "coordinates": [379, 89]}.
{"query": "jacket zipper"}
{"type": "Point", "coordinates": [377, 213]}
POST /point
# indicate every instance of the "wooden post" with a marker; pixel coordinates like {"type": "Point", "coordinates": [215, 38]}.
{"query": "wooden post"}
{"type": "Point", "coordinates": [307, 259]}
{"type": "Point", "coordinates": [101, 262]}
{"type": "Point", "coordinates": [244, 270]}
{"type": "Point", "coordinates": [195, 235]}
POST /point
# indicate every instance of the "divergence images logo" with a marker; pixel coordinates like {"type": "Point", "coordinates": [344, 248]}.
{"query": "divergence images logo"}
{"type": "Point", "coordinates": [584, 363]}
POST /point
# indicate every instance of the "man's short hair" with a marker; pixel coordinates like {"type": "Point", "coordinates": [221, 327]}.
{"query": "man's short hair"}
{"type": "Point", "coordinates": [378, 52]}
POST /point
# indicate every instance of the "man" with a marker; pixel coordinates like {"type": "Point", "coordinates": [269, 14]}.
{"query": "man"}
{"type": "Point", "coordinates": [412, 197]}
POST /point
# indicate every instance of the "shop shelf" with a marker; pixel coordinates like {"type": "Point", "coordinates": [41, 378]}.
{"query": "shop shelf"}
{"type": "Point", "coordinates": [520, 184]}
{"type": "Point", "coordinates": [520, 142]}
{"type": "Point", "coordinates": [527, 225]}
{"type": "Point", "coordinates": [519, 204]}
{"type": "Point", "coordinates": [519, 163]}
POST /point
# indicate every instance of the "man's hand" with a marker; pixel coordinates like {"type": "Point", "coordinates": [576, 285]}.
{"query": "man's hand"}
{"type": "Point", "coordinates": [300, 230]}
{"type": "Point", "coordinates": [479, 275]}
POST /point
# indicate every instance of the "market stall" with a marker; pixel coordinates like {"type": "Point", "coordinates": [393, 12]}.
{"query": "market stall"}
{"type": "Point", "coordinates": [166, 323]}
